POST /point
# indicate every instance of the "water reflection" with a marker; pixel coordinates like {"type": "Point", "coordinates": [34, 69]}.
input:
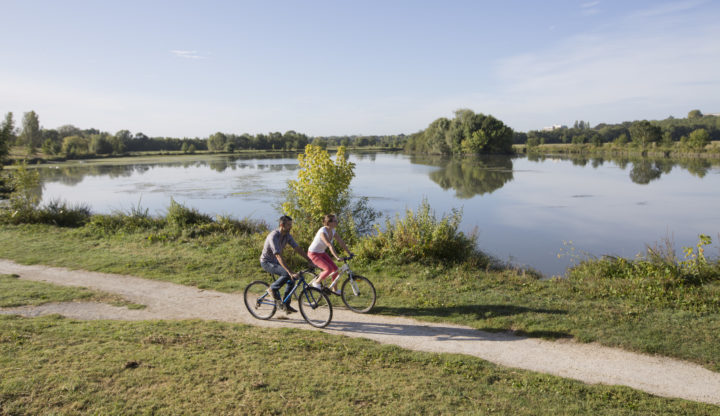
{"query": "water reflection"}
{"type": "Point", "coordinates": [469, 176]}
{"type": "Point", "coordinates": [643, 170]}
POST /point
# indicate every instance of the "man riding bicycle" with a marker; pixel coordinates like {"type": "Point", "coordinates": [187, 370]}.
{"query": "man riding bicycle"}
{"type": "Point", "coordinates": [271, 260]}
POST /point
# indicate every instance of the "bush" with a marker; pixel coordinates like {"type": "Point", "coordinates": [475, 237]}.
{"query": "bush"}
{"type": "Point", "coordinates": [179, 216]}
{"type": "Point", "coordinates": [55, 213]}
{"type": "Point", "coordinates": [422, 237]}
{"type": "Point", "coordinates": [323, 187]}
{"type": "Point", "coordinates": [658, 278]}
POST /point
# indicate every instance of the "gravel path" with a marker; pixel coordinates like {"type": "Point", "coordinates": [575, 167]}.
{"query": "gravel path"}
{"type": "Point", "coordinates": [590, 363]}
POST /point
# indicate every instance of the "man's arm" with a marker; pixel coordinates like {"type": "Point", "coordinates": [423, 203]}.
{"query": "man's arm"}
{"type": "Point", "coordinates": [284, 266]}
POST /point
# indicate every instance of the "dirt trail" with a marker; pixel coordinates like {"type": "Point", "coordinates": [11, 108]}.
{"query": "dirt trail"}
{"type": "Point", "coordinates": [590, 363]}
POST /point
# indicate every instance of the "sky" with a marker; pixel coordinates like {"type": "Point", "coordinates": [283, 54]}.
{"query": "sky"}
{"type": "Point", "coordinates": [341, 67]}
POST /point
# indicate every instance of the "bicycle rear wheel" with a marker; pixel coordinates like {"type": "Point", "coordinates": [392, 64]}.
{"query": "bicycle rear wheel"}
{"type": "Point", "coordinates": [258, 302]}
{"type": "Point", "coordinates": [315, 307]}
{"type": "Point", "coordinates": [358, 294]}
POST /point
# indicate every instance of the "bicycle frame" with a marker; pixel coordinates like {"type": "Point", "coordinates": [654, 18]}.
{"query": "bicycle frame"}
{"type": "Point", "coordinates": [298, 282]}
{"type": "Point", "coordinates": [345, 269]}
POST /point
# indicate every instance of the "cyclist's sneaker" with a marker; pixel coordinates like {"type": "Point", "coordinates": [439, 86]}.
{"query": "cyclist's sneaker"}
{"type": "Point", "coordinates": [316, 285]}
{"type": "Point", "coordinates": [334, 291]}
{"type": "Point", "coordinates": [288, 309]}
{"type": "Point", "coordinates": [272, 295]}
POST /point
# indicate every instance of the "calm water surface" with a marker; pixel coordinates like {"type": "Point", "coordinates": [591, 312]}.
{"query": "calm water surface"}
{"type": "Point", "coordinates": [523, 210]}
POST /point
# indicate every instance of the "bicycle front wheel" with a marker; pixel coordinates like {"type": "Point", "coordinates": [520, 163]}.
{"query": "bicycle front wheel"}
{"type": "Point", "coordinates": [315, 307]}
{"type": "Point", "coordinates": [358, 294]}
{"type": "Point", "coordinates": [258, 302]}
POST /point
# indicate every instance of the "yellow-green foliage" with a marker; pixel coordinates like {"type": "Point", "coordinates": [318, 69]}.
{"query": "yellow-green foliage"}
{"type": "Point", "coordinates": [322, 187]}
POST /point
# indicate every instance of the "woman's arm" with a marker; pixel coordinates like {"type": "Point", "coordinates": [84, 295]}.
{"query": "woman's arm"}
{"type": "Point", "coordinates": [328, 243]}
{"type": "Point", "coordinates": [342, 244]}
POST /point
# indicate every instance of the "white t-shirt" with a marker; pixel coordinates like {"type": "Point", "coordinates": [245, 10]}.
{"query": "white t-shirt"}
{"type": "Point", "coordinates": [318, 245]}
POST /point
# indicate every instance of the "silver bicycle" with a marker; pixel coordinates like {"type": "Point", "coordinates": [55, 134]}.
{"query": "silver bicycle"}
{"type": "Point", "coordinates": [357, 292]}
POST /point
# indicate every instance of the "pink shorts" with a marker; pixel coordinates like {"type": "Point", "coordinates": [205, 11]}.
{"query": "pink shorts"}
{"type": "Point", "coordinates": [323, 261]}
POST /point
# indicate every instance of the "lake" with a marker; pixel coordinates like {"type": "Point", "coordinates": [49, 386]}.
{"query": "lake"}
{"type": "Point", "coordinates": [525, 210]}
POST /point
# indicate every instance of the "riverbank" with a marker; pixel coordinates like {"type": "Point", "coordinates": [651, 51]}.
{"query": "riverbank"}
{"type": "Point", "coordinates": [19, 154]}
{"type": "Point", "coordinates": [711, 151]}
{"type": "Point", "coordinates": [684, 326]}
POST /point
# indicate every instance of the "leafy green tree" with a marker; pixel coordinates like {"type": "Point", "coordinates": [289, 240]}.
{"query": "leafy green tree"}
{"type": "Point", "coordinates": [216, 142]}
{"type": "Point", "coordinates": [695, 114]}
{"type": "Point", "coordinates": [7, 136]}
{"type": "Point", "coordinates": [467, 133]}
{"type": "Point", "coordinates": [643, 133]}
{"type": "Point", "coordinates": [323, 187]}
{"type": "Point", "coordinates": [698, 139]}
{"type": "Point", "coordinates": [75, 145]}
{"type": "Point", "coordinates": [100, 144]}
{"type": "Point", "coordinates": [31, 136]}
{"type": "Point", "coordinates": [50, 147]}
{"type": "Point", "coordinates": [533, 142]}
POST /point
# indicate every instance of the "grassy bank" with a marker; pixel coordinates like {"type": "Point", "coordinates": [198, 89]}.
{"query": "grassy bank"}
{"type": "Point", "coordinates": [16, 292]}
{"type": "Point", "coordinates": [53, 365]}
{"type": "Point", "coordinates": [711, 151]}
{"type": "Point", "coordinates": [683, 323]}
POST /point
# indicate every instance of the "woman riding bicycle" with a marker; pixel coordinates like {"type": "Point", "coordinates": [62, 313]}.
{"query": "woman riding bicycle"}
{"type": "Point", "coordinates": [323, 240]}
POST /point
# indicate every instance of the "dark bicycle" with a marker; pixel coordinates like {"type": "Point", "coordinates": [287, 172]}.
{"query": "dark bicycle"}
{"type": "Point", "coordinates": [314, 305]}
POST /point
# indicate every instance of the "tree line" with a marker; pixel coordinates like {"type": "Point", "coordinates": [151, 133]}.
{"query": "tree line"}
{"type": "Point", "coordinates": [70, 141]}
{"type": "Point", "coordinates": [693, 132]}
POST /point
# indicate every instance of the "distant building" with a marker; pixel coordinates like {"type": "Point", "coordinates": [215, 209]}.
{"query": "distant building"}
{"type": "Point", "coordinates": [554, 127]}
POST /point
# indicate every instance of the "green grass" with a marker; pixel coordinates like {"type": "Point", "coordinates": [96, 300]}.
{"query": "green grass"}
{"type": "Point", "coordinates": [487, 300]}
{"type": "Point", "coordinates": [15, 292]}
{"type": "Point", "coordinates": [53, 365]}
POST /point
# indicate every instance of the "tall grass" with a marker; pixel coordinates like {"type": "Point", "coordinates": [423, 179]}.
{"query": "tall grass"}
{"type": "Point", "coordinates": [656, 278]}
{"type": "Point", "coordinates": [420, 236]}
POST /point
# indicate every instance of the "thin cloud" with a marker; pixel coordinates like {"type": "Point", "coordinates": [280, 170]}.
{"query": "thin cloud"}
{"type": "Point", "coordinates": [187, 54]}
{"type": "Point", "coordinates": [671, 8]}
{"type": "Point", "coordinates": [590, 8]}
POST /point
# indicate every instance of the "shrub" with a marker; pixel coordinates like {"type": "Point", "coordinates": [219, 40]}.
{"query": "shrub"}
{"type": "Point", "coordinates": [179, 216]}
{"type": "Point", "coordinates": [420, 236]}
{"type": "Point", "coordinates": [323, 187]}
{"type": "Point", "coordinates": [658, 278]}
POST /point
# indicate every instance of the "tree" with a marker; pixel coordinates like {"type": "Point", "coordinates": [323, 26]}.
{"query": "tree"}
{"type": "Point", "coordinates": [323, 187]}
{"type": "Point", "coordinates": [31, 135]}
{"type": "Point", "coordinates": [695, 114]}
{"type": "Point", "coordinates": [74, 145]}
{"type": "Point", "coordinates": [100, 144]}
{"type": "Point", "coordinates": [698, 139]}
{"type": "Point", "coordinates": [7, 136]}
{"type": "Point", "coordinates": [466, 133]}
{"type": "Point", "coordinates": [643, 133]}
{"type": "Point", "coordinates": [216, 142]}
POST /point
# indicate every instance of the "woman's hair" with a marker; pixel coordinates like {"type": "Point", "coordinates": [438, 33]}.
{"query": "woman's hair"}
{"type": "Point", "coordinates": [328, 218]}
{"type": "Point", "coordinates": [284, 220]}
